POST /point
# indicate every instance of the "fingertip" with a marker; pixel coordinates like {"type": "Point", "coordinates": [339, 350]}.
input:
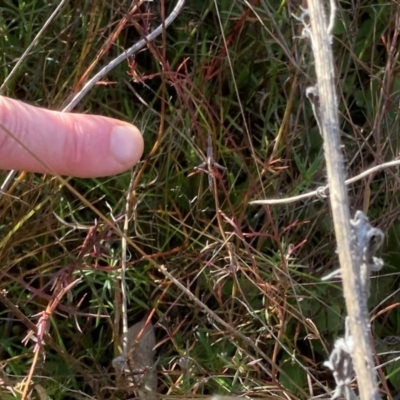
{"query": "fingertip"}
{"type": "Point", "coordinates": [126, 145]}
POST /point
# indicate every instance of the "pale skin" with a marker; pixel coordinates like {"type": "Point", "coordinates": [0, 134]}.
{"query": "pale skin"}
{"type": "Point", "coordinates": [70, 144]}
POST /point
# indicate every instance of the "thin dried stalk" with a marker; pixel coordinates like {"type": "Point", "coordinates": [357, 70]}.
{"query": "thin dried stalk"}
{"type": "Point", "coordinates": [322, 191]}
{"type": "Point", "coordinates": [350, 260]}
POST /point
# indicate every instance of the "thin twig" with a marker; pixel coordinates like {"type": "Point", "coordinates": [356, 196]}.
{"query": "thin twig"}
{"type": "Point", "coordinates": [124, 250]}
{"type": "Point", "coordinates": [127, 53]}
{"type": "Point", "coordinates": [350, 260]}
{"type": "Point", "coordinates": [322, 191]}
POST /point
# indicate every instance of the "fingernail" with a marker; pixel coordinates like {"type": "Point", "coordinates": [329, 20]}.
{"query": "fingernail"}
{"type": "Point", "coordinates": [124, 144]}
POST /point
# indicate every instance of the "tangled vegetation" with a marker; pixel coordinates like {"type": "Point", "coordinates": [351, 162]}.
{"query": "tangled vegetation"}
{"type": "Point", "coordinates": [221, 100]}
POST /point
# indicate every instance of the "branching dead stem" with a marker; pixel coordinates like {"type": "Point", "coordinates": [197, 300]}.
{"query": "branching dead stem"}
{"type": "Point", "coordinates": [350, 259]}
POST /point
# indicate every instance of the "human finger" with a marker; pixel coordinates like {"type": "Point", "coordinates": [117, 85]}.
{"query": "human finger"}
{"type": "Point", "coordinates": [39, 140]}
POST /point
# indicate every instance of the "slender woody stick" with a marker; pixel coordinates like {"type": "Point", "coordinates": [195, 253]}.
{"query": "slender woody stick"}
{"type": "Point", "coordinates": [350, 261]}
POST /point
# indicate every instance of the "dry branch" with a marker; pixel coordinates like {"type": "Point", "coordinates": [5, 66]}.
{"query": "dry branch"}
{"type": "Point", "coordinates": [350, 260]}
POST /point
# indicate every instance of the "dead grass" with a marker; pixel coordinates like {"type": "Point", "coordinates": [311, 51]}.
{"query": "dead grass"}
{"type": "Point", "coordinates": [235, 74]}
